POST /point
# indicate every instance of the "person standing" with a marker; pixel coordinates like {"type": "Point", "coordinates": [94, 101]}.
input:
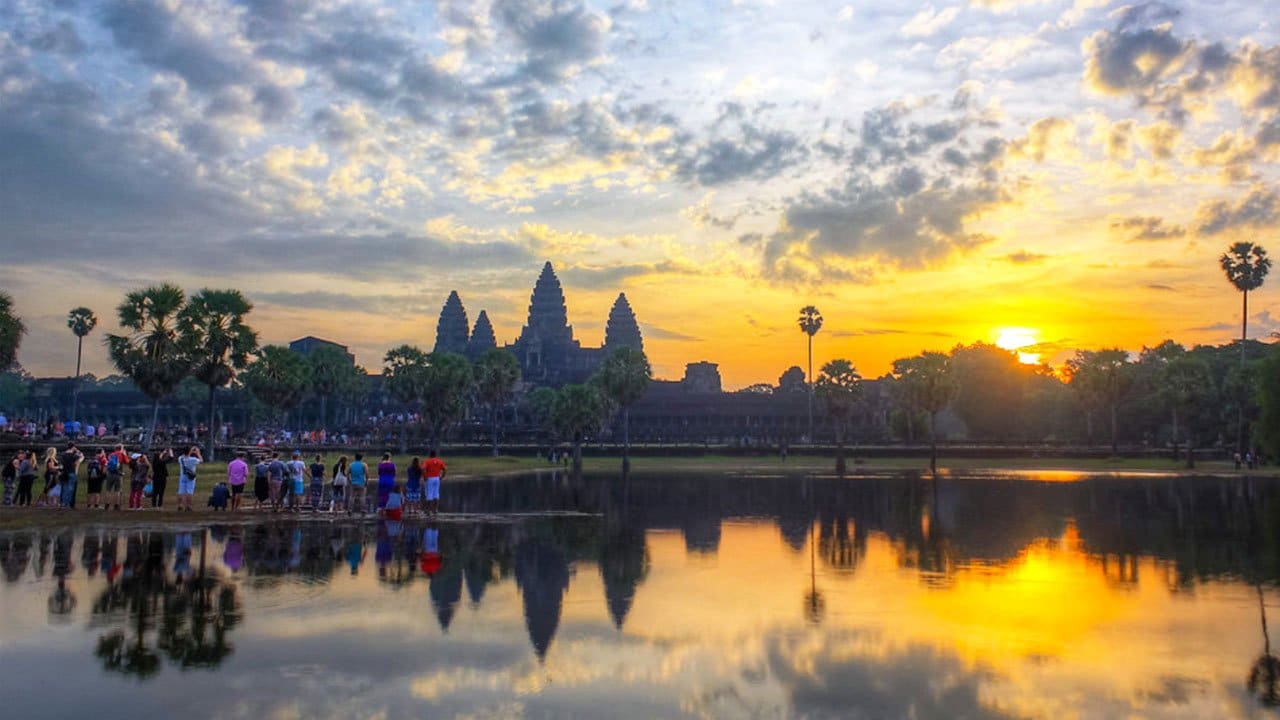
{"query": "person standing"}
{"type": "Point", "coordinates": [237, 476]}
{"type": "Point", "coordinates": [116, 463]}
{"type": "Point", "coordinates": [359, 476]}
{"type": "Point", "coordinates": [10, 480]}
{"type": "Point", "coordinates": [141, 472]}
{"type": "Point", "coordinates": [95, 473]}
{"type": "Point", "coordinates": [275, 480]}
{"type": "Point", "coordinates": [297, 481]}
{"type": "Point", "coordinates": [413, 486]}
{"type": "Point", "coordinates": [434, 468]}
{"type": "Point", "coordinates": [26, 478]}
{"type": "Point", "coordinates": [386, 479]}
{"type": "Point", "coordinates": [317, 484]}
{"type": "Point", "coordinates": [71, 459]}
{"type": "Point", "coordinates": [52, 469]}
{"type": "Point", "coordinates": [261, 488]}
{"type": "Point", "coordinates": [160, 462]}
{"type": "Point", "coordinates": [188, 465]}
{"type": "Point", "coordinates": [337, 497]}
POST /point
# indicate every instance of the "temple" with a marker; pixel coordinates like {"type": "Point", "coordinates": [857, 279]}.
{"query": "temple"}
{"type": "Point", "coordinates": [546, 349]}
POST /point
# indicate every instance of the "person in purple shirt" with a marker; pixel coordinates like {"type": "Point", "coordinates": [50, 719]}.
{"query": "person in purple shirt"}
{"type": "Point", "coordinates": [237, 475]}
{"type": "Point", "coordinates": [386, 479]}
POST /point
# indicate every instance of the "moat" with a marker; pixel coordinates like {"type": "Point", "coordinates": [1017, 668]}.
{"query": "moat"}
{"type": "Point", "coordinates": [708, 595]}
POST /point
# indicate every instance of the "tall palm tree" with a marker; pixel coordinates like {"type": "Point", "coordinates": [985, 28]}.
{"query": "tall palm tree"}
{"type": "Point", "coordinates": [152, 353]}
{"type": "Point", "coordinates": [840, 387]}
{"type": "Point", "coordinates": [1246, 266]}
{"type": "Point", "coordinates": [930, 380]}
{"type": "Point", "coordinates": [810, 323]}
{"type": "Point", "coordinates": [11, 331]}
{"type": "Point", "coordinates": [277, 378]}
{"type": "Point", "coordinates": [496, 374]}
{"type": "Point", "coordinates": [213, 327]}
{"type": "Point", "coordinates": [624, 377]}
{"type": "Point", "coordinates": [82, 321]}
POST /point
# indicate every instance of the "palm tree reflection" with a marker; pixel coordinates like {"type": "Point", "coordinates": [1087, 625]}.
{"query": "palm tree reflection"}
{"type": "Point", "coordinates": [1264, 676]}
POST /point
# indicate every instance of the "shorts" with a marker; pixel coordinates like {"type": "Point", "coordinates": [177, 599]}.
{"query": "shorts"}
{"type": "Point", "coordinates": [299, 488]}
{"type": "Point", "coordinates": [186, 487]}
{"type": "Point", "coordinates": [95, 485]}
{"type": "Point", "coordinates": [113, 483]}
{"type": "Point", "coordinates": [338, 490]}
{"type": "Point", "coordinates": [237, 489]}
{"type": "Point", "coordinates": [393, 514]}
{"type": "Point", "coordinates": [433, 488]}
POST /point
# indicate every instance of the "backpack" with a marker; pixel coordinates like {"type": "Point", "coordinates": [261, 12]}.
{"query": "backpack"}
{"type": "Point", "coordinates": [113, 463]}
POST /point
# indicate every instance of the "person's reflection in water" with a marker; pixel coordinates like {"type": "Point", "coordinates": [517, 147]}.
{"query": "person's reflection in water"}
{"type": "Point", "coordinates": [1264, 676]}
{"type": "Point", "coordinates": [382, 550]}
{"type": "Point", "coordinates": [430, 560]}
{"type": "Point", "coordinates": [62, 601]}
{"type": "Point", "coordinates": [233, 551]}
{"type": "Point", "coordinates": [355, 552]}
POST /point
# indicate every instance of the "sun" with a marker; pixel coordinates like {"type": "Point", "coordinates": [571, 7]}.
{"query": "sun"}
{"type": "Point", "coordinates": [1013, 338]}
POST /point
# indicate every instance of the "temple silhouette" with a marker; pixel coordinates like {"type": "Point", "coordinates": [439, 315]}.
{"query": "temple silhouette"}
{"type": "Point", "coordinates": [546, 349]}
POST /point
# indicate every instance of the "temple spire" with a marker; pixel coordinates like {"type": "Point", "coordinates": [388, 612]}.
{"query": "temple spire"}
{"type": "Point", "coordinates": [622, 330]}
{"type": "Point", "coordinates": [482, 337]}
{"type": "Point", "coordinates": [452, 330]}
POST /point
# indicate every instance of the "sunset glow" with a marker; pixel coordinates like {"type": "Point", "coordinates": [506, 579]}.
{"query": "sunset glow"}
{"type": "Point", "coordinates": [1015, 338]}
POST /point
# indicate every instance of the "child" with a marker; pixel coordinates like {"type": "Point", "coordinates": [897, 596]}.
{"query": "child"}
{"type": "Point", "coordinates": [395, 502]}
{"type": "Point", "coordinates": [221, 493]}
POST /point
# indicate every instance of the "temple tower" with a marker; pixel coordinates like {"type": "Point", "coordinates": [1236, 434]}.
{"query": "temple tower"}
{"type": "Point", "coordinates": [548, 317]}
{"type": "Point", "coordinates": [482, 337]}
{"type": "Point", "coordinates": [452, 330]}
{"type": "Point", "coordinates": [622, 330]}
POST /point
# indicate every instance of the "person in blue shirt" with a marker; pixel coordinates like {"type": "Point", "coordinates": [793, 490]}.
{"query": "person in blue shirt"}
{"type": "Point", "coordinates": [358, 476]}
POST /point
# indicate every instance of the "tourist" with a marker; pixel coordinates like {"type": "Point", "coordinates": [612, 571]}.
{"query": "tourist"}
{"type": "Point", "coordinates": [140, 467]}
{"type": "Point", "coordinates": [392, 508]}
{"type": "Point", "coordinates": [188, 466]}
{"type": "Point", "coordinates": [237, 476]}
{"type": "Point", "coordinates": [95, 473]}
{"type": "Point", "coordinates": [160, 462]}
{"type": "Point", "coordinates": [275, 479]}
{"type": "Point", "coordinates": [413, 487]}
{"type": "Point", "coordinates": [261, 488]}
{"type": "Point", "coordinates": [52, 469]}
{"type": "Point", "coordinates": [297, 481]}
{"type": "Point", "coordinates": [26, 478]}
{"type": "Point", "coordinates": [116, 463]}
{"type": "Point", "coordinates": [435, 470]}
{"type": "Point", "coordinates": [10, 474]}
{"type": "Point", "coordinates": [337, 496]}
{"type": "Point", "coordinates": [358, 475]}
{"type": "Point", "coordinates": [218, 498]}
{"type": "Point", "coordinates": [71, 459]}
{"type": "Point", "coordinates": [317, 484]}
{"type": "Point", "coordinates": [386, 479]}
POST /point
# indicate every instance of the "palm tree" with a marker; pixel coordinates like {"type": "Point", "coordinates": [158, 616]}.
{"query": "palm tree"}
{"type": "Point", "coordinates": [624, 378]}
{"type": "Point", "coordinates": [810, 323]}
{"type": "Point", "coordinates": [82, 321]}
{"type": "Point", "coordinates": [152, 353]}
{"type": "Point", "coordinates": [1246, 266]}
{"type": "Point", "coordinates": [330, 371]}
{"type": "Point", "coordinates": [405, 373]}
{"type": "Point", "coordinates": [930, 381]}
{"type": "Point", "coordinates": [579, 409]}
{"type": "Point", "coordinates": [278, 378]}
{"type": "Point", "coordinates": [449, 382]}
{"type": "Point", "coordinates": [213, 326]}
{"type": "Point", "coordinates": [840, 387]}
{"type": "Point", "coordinates": [496, 375]}
{"type": "Point", "coordinates": [11, 331]}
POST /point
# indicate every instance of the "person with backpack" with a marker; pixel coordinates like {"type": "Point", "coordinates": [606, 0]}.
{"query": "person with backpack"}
{"type": "Point", "coordinates": [117, 461]}
{"type": "Point", "coordinates": [95, 473]}
{"type": "Point", "coordinates": [337, 498]}
{"type": "Point", "coordinates": [187, 467]}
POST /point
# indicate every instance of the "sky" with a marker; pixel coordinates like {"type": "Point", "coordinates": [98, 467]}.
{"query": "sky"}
{"type": "Point", "coordinates": [925, 174]}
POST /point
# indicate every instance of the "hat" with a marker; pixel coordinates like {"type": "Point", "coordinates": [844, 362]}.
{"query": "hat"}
{"type": "Point", "coordinates": [297, 453]}
{"type": "Point", "coordinates": [135, 456]}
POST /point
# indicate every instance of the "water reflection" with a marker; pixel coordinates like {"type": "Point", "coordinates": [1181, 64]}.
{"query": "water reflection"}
{"type": "Point", "coordinates": [981, 597]}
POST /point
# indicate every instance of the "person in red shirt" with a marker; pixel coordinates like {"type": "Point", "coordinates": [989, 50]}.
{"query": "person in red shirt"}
{"type": "Point", "coordinates": [433, 470]}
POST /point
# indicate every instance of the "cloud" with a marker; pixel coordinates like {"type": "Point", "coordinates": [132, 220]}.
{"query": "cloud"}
{"type": "Point", "coordinates": [739, 146]}
{"type": "Point", "coordinates": [1051, 138]}
{"type": "Point", "coordinates": [1259, 208]}
{"type": "Point", "coordinates": [1025, 257]}
{"type": "Point", "coordinates": [653, 332]}
{"type": "Point", "coordinates": [929, 21]}
{"type": "Point", "coordinates": [1142, 228]}
{"type": "Point", "coordinates": [1157, 286]}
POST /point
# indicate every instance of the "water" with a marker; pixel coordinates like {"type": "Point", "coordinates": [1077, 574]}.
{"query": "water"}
{"type": "Point", "coordinates": [1034, 595]}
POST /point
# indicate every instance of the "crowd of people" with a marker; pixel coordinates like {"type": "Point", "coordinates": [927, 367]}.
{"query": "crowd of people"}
{"type": "Point", "coordinates": [279, 485]}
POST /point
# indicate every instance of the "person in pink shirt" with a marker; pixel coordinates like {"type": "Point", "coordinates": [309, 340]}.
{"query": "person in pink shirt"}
{"type": "Point", "coordinates": [237, 475]}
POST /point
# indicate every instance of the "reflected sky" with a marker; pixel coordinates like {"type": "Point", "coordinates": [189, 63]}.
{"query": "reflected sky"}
{"type": "Point", "coordinates": [707, 596]}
